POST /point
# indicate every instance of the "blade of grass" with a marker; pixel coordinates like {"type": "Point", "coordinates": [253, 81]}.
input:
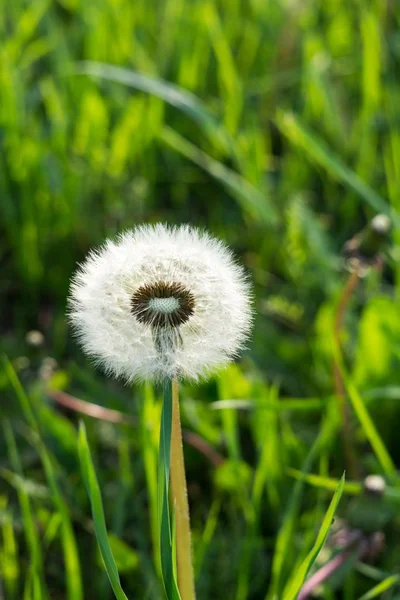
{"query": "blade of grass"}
{"type": "Point", "coordinates": [266, 477]}
{"type": "Point", "coordinates": [353, 488]}
{"type": "Point", "coordinates": [285, 536]}
{"type": "Point", "coordinates": [366, 422]}
{"type": "Point", "coordinates": [93, 490]}
{"type": "Point", "coordinates": [149, 415]}
{"type": "Point", "coordinates": [172, 94]}
{"type": "Point", "coordinates": [9, 552]}
{"type": "Point", "coordinates": [253, 202]}
{"type": "Point", "coordinates": [371, 432]}
{"type": "Point", "coordinates": [299, 135]}
{"type": "Point", "coordinates": [124, 477]}
{"type": "Point", "coordinates": [36, 587]}
{"type": "Point", "coordinates": [166, 537]}
{"type": "Point", "coordinates": [383, 586]}
{"type": "Point", "coordinates": [268, 472]}
{"type": "Point", "coordinates": [32, 489]}
{"type": "Point", "coordinates": [208, 534]}
{"type": "Point", "coordinates": [70, 549]}
{"type": "Point", "coordinates": [228, 76]}
{"type": "Point", "coordinates": [301, 405]}
{"type": "Point", "coordinates": [31, 533]}
{"type": "Point", "coordinates": [294, 585]}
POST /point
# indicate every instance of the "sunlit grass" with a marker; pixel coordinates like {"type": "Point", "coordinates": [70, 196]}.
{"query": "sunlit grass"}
{"type": "Point", "coordinates": [276, 125]}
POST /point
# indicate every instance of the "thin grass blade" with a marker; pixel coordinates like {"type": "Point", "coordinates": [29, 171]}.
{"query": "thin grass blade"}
{"type": "Point", "coordinates": [73, 577]}
{"type": "Point", "coordinates": [93, 490]}
{"type": "Point", "coordinates": [299, 135]}
{"type": "Point", "coordinates": [166, 538]}
{"type": "Point", "coordinates": [254, 202]}
{"type": "Point", "coordinates": [294, 586]}
{"type": "Point", "coordinates": [31, 533]}
{"type": "Point", "coordinates": [367, 423]}
{"type": "Point", "coordinates": [383, 586]}
{"type": "Point", "coordinates": [9, 552]}
{"type": "Point", "coordinates": [150, 415]}
{"type": "Point", "coordinates": [352, 488]}
{"type": "Point", "coordinates": [284, 540]}
{"type": "Point", "coordinates": [172, 94]}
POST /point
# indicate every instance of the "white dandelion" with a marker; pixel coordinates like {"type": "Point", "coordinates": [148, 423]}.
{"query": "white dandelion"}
{"type": "Point", "coordinates": [161, 302]}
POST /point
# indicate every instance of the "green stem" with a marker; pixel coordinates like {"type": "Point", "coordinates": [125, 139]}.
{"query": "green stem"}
{"type": "Point", "coordinates": [166, 537]}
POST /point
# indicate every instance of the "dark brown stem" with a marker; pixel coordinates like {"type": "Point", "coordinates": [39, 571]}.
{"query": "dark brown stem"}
{"type": "Point", "coordinates": [95, 411]}
{"type": "Point", "coordinates": [196, 441]}
{"type": "Point", "coordinates": [88, 408]}
{"type": "Point", "coordinates": [340, 390]}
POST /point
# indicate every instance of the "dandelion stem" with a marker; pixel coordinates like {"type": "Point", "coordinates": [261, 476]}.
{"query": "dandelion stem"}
{"type": "Point", "coordinates": [180, 504]}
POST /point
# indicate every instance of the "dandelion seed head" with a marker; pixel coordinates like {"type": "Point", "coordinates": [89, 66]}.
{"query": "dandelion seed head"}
{"type": "Point", "coordinates": [161, 301]}
{"type": "Point", "coordinates": [164, 305]}
{"type": "Point", "coordinates": [381, 224]}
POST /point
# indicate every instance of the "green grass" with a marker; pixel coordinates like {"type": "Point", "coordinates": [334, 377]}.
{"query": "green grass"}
{"type": "Point", "coordinates": [94, 493]}
{"type": "Point", "coordinates": [275, 125]}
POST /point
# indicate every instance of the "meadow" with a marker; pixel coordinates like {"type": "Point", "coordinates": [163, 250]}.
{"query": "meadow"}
{"type": "Point", "coordinates": [276, 126]}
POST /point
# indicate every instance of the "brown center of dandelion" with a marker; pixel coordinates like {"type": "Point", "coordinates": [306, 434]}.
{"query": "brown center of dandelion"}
{"type": "Point", "coordinates": [162, 304]}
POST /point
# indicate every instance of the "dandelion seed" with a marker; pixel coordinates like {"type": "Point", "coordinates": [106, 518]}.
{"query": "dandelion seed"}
{"type": "Point", "coordinates": [161, 302]}
{"type": "Point", "coordinates": [364, 249]}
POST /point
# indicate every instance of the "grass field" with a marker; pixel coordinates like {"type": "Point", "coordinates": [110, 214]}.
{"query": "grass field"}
{"type": "Point", "coordinates": [275, 125]}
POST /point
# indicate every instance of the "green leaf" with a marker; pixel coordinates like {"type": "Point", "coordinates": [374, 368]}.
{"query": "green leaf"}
{"type": "Point", "coordinates": [126, 558]}
{"type": "Point", "coordinates": [284, 404]}
{"type": "Point", "coordinates": [353, 488]}
{"type": "Point", "coordinates": [232, 383]}
{"type": "Point", "coordinates": [268, 473]}
{"type": "Point", "coordinates": [299, 135]}
{"type": "Point", "coordinates": [293, 587]}
{"type": "Point", "coordinates": [233, 476]}
{"type": "Point", "coordinates": [30, 530]}
{"type": "Point", "coordinates": [166, 537]}
{"type": "Point", "coordinates": [367, 423]}
{"type": "Point", "coordinates": [36, 587]}
{"type": "Point", "coordinates": [31, 488]}
{"type": "Point", "coordinates": [10, 568]}
{"type": "Point", "coordinates": [284, 539]}
{"type": "Point", "coordinates": [384, 585]}
{"type": "Point", "coordinates": [253, 201]}
{"type": "Point", "coordinates": [70, 549]}
{"type": "Point", "coordinates": [208, 534]}
{"type": "Point", "coordinates": [93, 489]}
{"type": "Point", "coordinates": [172, 94]}
{"type": "Point", "coordinates": [150, 415]}
{"type": "Point", "coordinates": [379, 326]}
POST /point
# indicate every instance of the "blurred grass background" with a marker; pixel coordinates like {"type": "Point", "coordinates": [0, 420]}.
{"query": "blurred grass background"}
{"type": "Point", "coordinates": [276, 125]}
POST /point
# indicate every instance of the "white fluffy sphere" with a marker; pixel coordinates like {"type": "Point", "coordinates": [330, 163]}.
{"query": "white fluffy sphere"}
{"type": "Point", "coordinates": [161, 301]}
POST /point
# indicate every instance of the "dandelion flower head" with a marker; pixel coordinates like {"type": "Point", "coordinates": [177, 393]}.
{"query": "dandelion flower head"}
{"type": "Point", "coordinates": [161, 301]}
